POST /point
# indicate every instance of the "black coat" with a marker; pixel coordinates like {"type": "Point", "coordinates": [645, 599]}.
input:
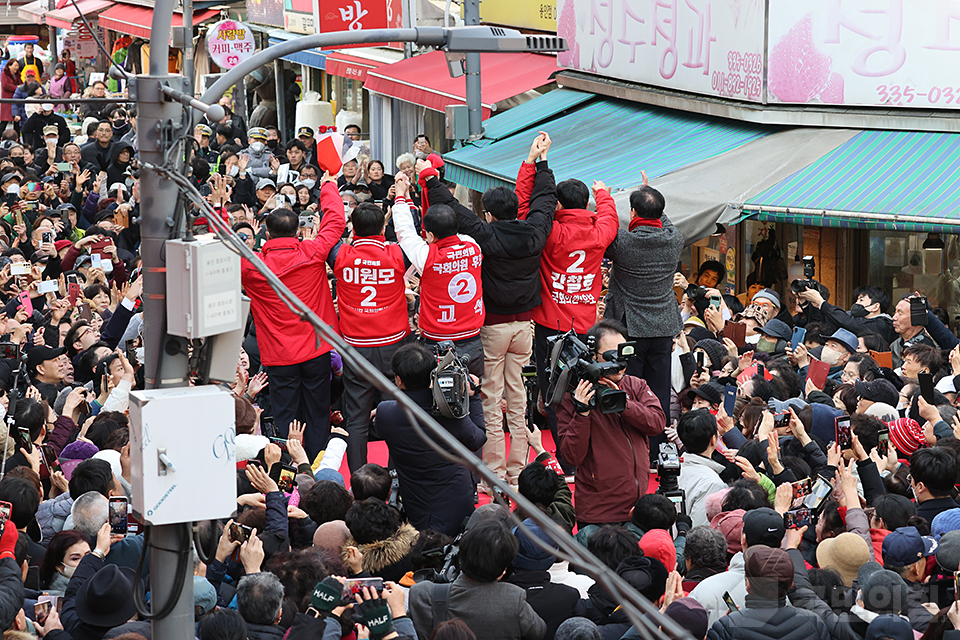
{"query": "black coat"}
{"type": "Point", "coordinates": [553, 602]}
{"type": "Point", "coordinates": [93, 153]}
{"type": "Point", "coordinates": [11, 591]}
{"type": "Point", "coordinates": [764, 619]}
{"type": "Point", "coordinates": [32, 130]}
{"type": "Point", "coordinates": [511, 248]}
{"type": "Point", "coordinates": [264, 632]}
{"type": "Point", "coordinates": [436, 493]}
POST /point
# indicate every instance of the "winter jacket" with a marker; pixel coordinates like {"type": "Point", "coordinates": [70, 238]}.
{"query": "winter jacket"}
{"type": "Point", "coordinates": [282, 336]}
{"type": "Point", "coordinates": [18, 108]}
{"type": "Point", "coordinates": [436, 493]}
{"type": "Point", "coordinates": [32, 129]}
{"type": "Point", "coordinates": [52, 514]}
{"type": "Point", "coordinates": [259, 165]}
{"type": "Point", "coordinates": [96, 154]}
{"type": "Point", "coordinates": [641, 280]}
{"type": "Point", "coordinates": [389, 558]}
{"type": "Point", "coordinates": [710, 591]}
{"type": "Point", "coordinates": [11, 591]}
{"type": "Point", "coordinates": [117, 169]}
{"type": "Point", "coordinates": [264, 632]}
{"type": "Point", "coordinates": [88, 567]}
{"type": "Point", "coordinates": [553, 602]}
{"type": "Point", "coordinates": [492, 610]}
{"type": "Point", "coordinates": [699, 477]}
{"type": "Point", "coordinates": [511, 248]}
{"type": "Point", "coordinates": [611, 452]}
{"type": "Point", "coordinates": [930, 509]}
{"type": "Point", "coordinates": [764, 619]}
{"type": "Point", "coordinates": [8, 86]}
{"type": "Point", "coordinates": [834, 317]}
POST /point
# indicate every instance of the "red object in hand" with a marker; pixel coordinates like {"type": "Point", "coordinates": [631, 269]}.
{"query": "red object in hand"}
{"type": "Point", "coordinates": [8, 541]}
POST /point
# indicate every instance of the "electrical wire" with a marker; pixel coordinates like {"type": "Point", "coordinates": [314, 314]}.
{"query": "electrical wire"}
{"type": "Point", "coordinates": [183, 557]}
{"type": "Point", "coordinates": [650, 623]}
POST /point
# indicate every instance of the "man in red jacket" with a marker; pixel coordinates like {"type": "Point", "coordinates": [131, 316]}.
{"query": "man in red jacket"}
{"type": "Point", "coordinates": [570, 280]}
{"type": "Point", "coordinates": [298, 365]}
{"type": "Point", "coordinates": [611, 451]}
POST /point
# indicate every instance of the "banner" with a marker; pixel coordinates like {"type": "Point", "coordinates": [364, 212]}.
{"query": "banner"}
{"type": "Point", "coordinates": [897, 53]}
{"type": "Point", "coordinates": [230, 43]}
{"type": "Point", "coordinates": [710, 47]}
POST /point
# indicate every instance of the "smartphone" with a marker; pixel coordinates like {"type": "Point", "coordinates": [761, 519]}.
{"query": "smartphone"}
{"type": "Point", "coordinates": [288, 476]}
{"type": "Point", "coordinates": [63, 166]}
{"type": "Point", "coordinates": [918, 311]}
{"type": "Point", "coordinates": [118, 515]}
{"type": "Point", "coordinates": [96, 261]}
{"type": "Point", "coordinates": [679, 501]}
{"type": "Point", "coordinates": [730, 399]}
{"type": "Point", "coordinates": [353, 586]}
{"type": "Point", "coordinates": [26, 439]}
{"type": "Point", "coordinates": [801, 489]}
{"type": "Point", "coordinates": [130, 349]}
{"type": "Point", "coordinates": [50, 460]}
{"type": "Point", "coordinates": [9, 351]}
{"type": "Point", "coordinates": [268, 426]}
{"type": "Point", "coordinates": [926, 386]}
{"type": "Point", "coordinates": [19, 268]}
{"type": "Point", "coordinates": [5, 510]}
{"type": "Point", "coordinates": [25, 302]}
{"type": "Point", "coordinates": [700, 360]}
{"type": "Point", "coordinates": [73, 293]}
{"type": "Point", "coordinates": [883, 358]}
{"type": "Point", "coordinates": [956, 584]}
{"type": "Point", "coordinates": [883, 442]}
{"type": "Point", "coordinates": [799, 334]}
{"type": "Point", "coordinates": [715, 302]}
{"type": "Point", "coordinates": [73, 279]}
{"type": "Point", "coordinates": [280, 442]}
{"type": "Point", "coordinates": [819, 493]}
{"type": "Point", "coordinates": [18, 216]}
{"type": "Point", "coordinates": [41, 610]}
{"type": "Point", "coordinates": [736, 332]}
{"type": "Point", "coordinates": [844, 435]}
{"type": "Point", "coordinates": [46, 237]}
{"type": "Point", "coordinates": [797, 518]}
{"type": "Point", "coordinates": [48, 286]}
{"type": "Point", "coordinates": [781, 420]}
{"type": "Point", "coordinates": [240, 532]}
{"type": "Point", "coordinates": [727, 600]}
{"type": "Point", "coordinates": [306, 221]}
{"type": "Point", "coordinates": [818, 371]}
{"type": "Point", "coordinates": [84, 311]}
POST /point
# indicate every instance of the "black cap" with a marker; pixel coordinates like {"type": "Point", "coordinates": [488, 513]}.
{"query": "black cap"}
{"type": "Point", "coordinates": [711, 392]}
{"type": "Point", "coordinates": [42, 353]}
{"type": "Point", "coordinates": [305, 131]}
{"type": "Point", "coordinates": [763, 526]}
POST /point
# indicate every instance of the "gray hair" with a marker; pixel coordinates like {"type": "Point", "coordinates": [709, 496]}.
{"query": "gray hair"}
{"type": "Point", "coordinates": [706, 547]}
{"type": "Point", "coordinates": [90, 512]}
{"type": "Point", "coordinates": [406, 157]}
{"type": "Point", "coordinates": [348, 192]}
{"type": "Point", "coordinates": [259, 598]}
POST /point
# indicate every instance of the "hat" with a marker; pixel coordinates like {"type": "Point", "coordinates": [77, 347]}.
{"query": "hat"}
{"type": "Point", "coordinates": [489, 511]}
{"type": "Point", "coordinates": [714, 502]}
{"type": "Point", "coordinates": [83, 261]}
{"type": "Point", "coordinates": [204, 130]}
{"type": "Point", "coordinates": [106, 214]}
{"type": "Point", "coordinates": [775, 329]}
{"type": "Point", "coordinates": [845, 338]}
{"type": "Point", "coordinates": [60, 245]}
{"type": "Point", "coordinates": [263, 183]}
{"type": "Point", "coordinates": [65, 206]}
{"type": "Point", "coordinates": [75, 453]}
{"type": "Point", "coordinates": [40, 354]}
{"type": "Point", "coordinates": [906, 435]}
{"type": "Point", "coordinates": [711, 392]}
{"type": "Point", "coordinates": [257, 132]}
{"type": "Point", "coordinates": [944, 522]}
{"type": "Point", "coordinates": [905, 545]}
{"type": "Point", "coordinates": [770, 570]}
{"type": "Point", "coordinates": [868, 569]}
{"type": "Point", "coordinates": [714, 349]}
{"type": "Point", "coordinates": [769, 295]}
{"type": "Point", "coordinates": [689, 614]}
{"type": "Point", "coordinates": [882, 410]}
{"type": "Point", "coordinates": [39, 256]}
{"type": "Point", "coordinates": [646, 575]}
{"type": "Point", "coordinates": [305, 131]}
{"type": "Point", "coordinates": [204, 595]}
{"type": "Point", "coordinates": [7, 177]}
{"type": "Point", "coordinates": [845, 553]}
{"type": "Point", "coordinates": [889, 627]}
{"type": "Point", "coordinates": [878, 391]}
{"type": "Point", "coordinates": [730, 524]}
{"type": "Point", "coordinates": [884, 592]}
{"type": "Point", "coordinates": [948, 551]}
{"type": "Point", "coordinates": [51, 128]}
{"type": "Point", "coordinates": [763, 526]}
{"type": "Point", "coordinates": [577, 628]}
{"type": "Point", "coordinates": [658, 544]}
{"type": "Point", "coordinates": [530, 557]}
{"type": "Point", "coordinates": [46, 106]}
{"type": "Point", "coordinates": [106, 599]}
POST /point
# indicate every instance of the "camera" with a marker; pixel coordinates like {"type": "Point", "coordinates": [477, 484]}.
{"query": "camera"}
{"type": "Point", "coordinates": [451, 382]}
{"type": "Point", "coordinates": [572, 361]}
{"type": "Point", "coordinates": [668, 468]}
{"type": "Point", "coordinates": [695, 291]}
{"type": "Point", "coordinates": [809, 271]}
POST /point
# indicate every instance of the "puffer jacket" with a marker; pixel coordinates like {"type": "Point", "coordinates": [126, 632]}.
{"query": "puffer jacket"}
{"type": "Point", "coordinates": [764, 619]}
{"type": "Point", "coordinates": [11, 591]}
{"type": "Point", "coordinates": [52, 514]}
{"type": "Point", "coordinates": [390, 558]}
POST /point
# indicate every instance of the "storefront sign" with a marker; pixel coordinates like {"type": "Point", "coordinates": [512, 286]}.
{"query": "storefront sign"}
{"type": "Point", "coordinates": [540, 15]}
{"type": "Point", "coordinates": [865, 52]}
{"type": "Point", "coordinates": [81, 42]}
{"type": "Point", "coordinates": [341, 15]}
{"type": "Point", "coordinates": [711, 47]}
{"type": "Point", "coordinates": [269, 12]}
{"type": "Point", "coordinates": [230, 43]}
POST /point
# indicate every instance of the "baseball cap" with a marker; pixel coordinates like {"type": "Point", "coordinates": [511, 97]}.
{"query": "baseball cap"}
{"type": "Point", "coordinates": [711, 392]}
{"type": "Point", "coordinates": [51, 129]}
{"type": "Point", "coordinates": [658, 544]}
{"type": "Point", "coordinates": [7, 177]}
{"type": "Point", "coordinates": [763, 526]}
{"type": "Point", "coordinates": [263, 183]}
{"type": "Point", "coordinates": [948, 551]}
{"type": "Point", "coordinates": [305, 131]}
{"type": "Point", "coordinates": [204, 595]}
{"type": "Point", "coordinates": [890, 627]}
{"type": "Point", "coordinates": [776, 329]}
{"type": "Point", "coordinates": [42, 353]}
{"type": "Point", "coordinates": [878, 391]}
{"type": "Point", "coordinates": [257, 132]}
{"type": "Point", "coordinates": [905, 546]}
{"type": "Point", "coordinates": [689, 614]}
{"type": "Point", "coordinates": [769, 569]}
{"type": "Point", "coordinates": [884, 592]}
{"type": "Point", "coordinates": [846, 338]}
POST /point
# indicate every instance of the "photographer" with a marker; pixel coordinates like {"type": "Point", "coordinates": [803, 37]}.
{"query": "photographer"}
{"type": "Point", "coordinates": [436, 493]}
{"type": "Point", "coordinates": [611, 450]}
{"type": "Point", "coordinates": [867, 315]}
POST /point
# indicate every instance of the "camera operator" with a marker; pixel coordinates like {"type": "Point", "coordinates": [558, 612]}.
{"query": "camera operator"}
{"type": "Point", "coordinates": [436, 493]}
{"type": "Point", "coordinates": [611, 450]}
{"type": "Point", "coordinates": [867, 315]}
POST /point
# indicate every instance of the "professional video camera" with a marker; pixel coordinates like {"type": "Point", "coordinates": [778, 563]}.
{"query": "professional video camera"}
{"type": "Point", "coordinates": [572, 361]}
{"type": "Point", "coordinates": [809, 270]}
{"type": "Point", "coordinates": [451, 382]}
{"type": "Point", "coordinates": [668, 471]}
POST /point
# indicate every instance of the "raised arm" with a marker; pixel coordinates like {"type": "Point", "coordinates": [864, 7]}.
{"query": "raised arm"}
{"type": "Point", "coordinates": [414, 247]}
{"type": "Point", "coordinates": [528, 171]}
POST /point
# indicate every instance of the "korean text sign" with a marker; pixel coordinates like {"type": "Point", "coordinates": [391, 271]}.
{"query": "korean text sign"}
{"type": "Point", "coordinates": [230, 43]}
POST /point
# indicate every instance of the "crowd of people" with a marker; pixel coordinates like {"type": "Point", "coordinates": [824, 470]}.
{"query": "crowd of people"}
{"type": "Point", "coordinates": [761, 465]}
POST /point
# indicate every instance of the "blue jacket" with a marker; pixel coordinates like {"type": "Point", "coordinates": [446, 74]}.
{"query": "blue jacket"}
{"type": "Point", "coordinates": [17, 108]}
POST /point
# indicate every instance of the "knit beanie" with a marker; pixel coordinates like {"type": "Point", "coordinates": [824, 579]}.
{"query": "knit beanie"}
{"type": "Point", "coordinates": [714, 350]}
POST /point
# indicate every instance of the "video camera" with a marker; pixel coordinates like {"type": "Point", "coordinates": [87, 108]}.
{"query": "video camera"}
{"type": "Point", "coordinates": [668, 471]}
{"type": "Point", "coordinates": [572, 361]}
{"type": "Point", "coordinates": [809, 271]}
{"type": "Point", "coordinates": [451, 382]}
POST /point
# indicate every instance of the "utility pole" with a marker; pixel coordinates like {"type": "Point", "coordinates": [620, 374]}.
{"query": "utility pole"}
{"type": "Point", "coordinates": [188, 45]}
{"type": "Point", "coordinates": [471, 17]}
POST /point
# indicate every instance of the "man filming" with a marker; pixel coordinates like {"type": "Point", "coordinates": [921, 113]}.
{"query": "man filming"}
{"type": "Point", "coordinates": [610, 450]}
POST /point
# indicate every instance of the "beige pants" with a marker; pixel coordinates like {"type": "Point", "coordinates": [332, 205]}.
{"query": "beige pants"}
{"type": "Point", "coordinates": [507, 348]}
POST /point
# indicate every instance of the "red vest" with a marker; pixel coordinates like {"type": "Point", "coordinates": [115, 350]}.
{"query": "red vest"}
{"type": "Point", "coordinates": [451, 294]}
{"type": "Point", "coordinates": [370, 292]}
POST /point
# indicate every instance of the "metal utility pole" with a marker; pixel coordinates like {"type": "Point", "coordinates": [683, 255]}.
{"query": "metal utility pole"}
{"type": "Point", "coordinates": [188, 45]}
{"type": "Point", "coordinates": [471, 17]}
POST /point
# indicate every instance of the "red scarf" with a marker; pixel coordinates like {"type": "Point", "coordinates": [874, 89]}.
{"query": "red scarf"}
{"type": "Point", "coordinates": [645, 222]}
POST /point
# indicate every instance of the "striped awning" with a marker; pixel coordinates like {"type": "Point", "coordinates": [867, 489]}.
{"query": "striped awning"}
{"type": "Point", "coordinates": [599, 138]}
{"type": "Point", "coordinates": [895, 180]}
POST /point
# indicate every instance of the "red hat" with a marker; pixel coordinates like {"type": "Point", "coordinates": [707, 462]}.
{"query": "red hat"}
{"type": "Point", "coordinates": [730, 524]}
{"type": "Point", "coordinates": [907, 435]}
{"type": "Point", "coordinates": [658, 544]}
{"type": "Point", "coordinates": [61, 245]}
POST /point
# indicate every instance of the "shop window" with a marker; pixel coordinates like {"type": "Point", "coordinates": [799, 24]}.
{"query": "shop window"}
{"type": "Point", "coordinates": [899, 264]}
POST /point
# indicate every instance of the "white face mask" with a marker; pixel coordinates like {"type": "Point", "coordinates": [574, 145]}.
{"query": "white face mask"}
{"type": "Point", "coordinates": [14, 188]}
{"type": "Point", "coordinates": [234, 171]}
{"type": "Point", "coordinates": [67, 571]}
{"type": "Point", "coordinates": [309, 183]}
{"type": "Point", "coordinates": [830, 356]}
{"type": "Point", "coordinates": [257, 146]}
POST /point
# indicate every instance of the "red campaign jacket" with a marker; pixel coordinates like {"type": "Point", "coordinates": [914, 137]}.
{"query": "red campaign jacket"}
{"type": "Point", "coordinates": [282, 336]}
{"type": "Point", "coordinates": [611, 452]}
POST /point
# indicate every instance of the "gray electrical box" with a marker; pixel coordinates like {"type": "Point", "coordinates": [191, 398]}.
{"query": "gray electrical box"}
{"type": "Point", "coordinates": [203, 288]}
{"type": "Point", "coordinates": [458, 124]}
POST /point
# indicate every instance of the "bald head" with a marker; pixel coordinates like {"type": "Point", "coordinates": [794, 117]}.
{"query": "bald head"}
{"type": "Point", "coordinates": [331, 535]}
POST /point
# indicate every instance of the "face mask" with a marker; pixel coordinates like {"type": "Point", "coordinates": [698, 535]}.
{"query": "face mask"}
{"type": "Point", "coordinates": [67, 572]}
{"type": "Point", "coordinates": [858, 311]}
{"type": "Point", "coordinates": [234, 171]}
{"type": "Point", "coordinates": [139, 353]}
{"type": "Point", "coordinates": [363, 197]}
{"type": "Point", "coordinates": [273, 144]}
{"type": "Point", "coordinates": [830, 356]}
{"type": "Point", "coordinates": [309, 183]}
{"type": "Point", "coordinates": [14, 188]}
{"type": "Point", "coordinates": [257, 147]}
{"type": "Point", "coordinates": [20, 162]}
{"type": "Point", "coordinates": [765, 346]}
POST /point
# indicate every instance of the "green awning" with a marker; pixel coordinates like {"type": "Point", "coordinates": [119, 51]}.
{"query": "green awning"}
{"type": "Point", "coordinates": [533, 112]}
{"type": "Point", "coordinates": [603, 139]}
{"type": "Point", "coordinates": [895, 180]}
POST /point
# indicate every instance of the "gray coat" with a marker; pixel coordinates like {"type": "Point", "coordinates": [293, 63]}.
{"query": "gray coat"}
{"type": "Point", "coordinates": [492, 610]}
{"type": "Point", "coordinates": [641, 280]}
